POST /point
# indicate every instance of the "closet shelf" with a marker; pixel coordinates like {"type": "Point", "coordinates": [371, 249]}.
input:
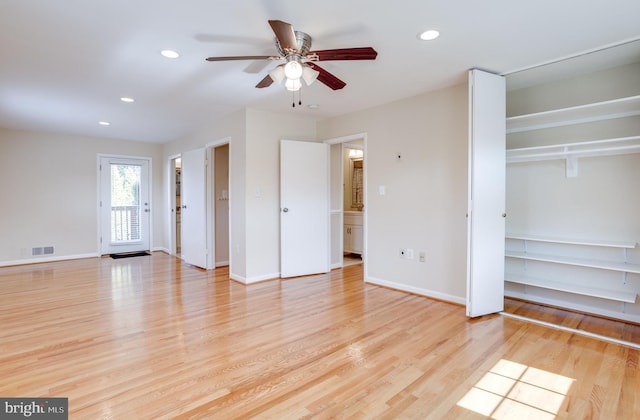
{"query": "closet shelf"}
{"type": "Point", "coordinates": [604, 265]}
{"type": "Point", "coordinates": [605, 147]}
{"type": "Point", "coordinates": [606, 110]}
{"type": "Point", "coordinates": [620, 296]}
{"type": "Point", "coordinates": [570, 241]}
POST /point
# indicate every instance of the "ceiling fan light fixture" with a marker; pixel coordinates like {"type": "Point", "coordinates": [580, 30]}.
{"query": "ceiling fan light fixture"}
{"type": "Point", "coordinates": [277, 74]}
{"type": "Point", "coordinates": [293, 85]}
{"type": "Point", "coordinates": [309, 75]}
{"type": "Point", "coordinates": [293, 69]}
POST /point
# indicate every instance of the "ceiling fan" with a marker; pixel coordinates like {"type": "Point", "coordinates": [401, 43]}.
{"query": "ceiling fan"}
{"type": "Point", "coordinates": [300, 63]}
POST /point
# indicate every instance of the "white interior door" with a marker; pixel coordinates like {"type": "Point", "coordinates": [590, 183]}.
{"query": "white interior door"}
{"type": "Point", "coordinates": [486, 223]}
{"type": "Point", "coordinates": [193, 220]}
{"type": "Point", "coordinates": [304, 208]}
{"type": "Point", "coordinates": [125, 208]}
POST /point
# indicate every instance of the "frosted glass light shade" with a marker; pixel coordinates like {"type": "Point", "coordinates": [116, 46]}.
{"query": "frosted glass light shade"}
{"type": "Point", "coordinates": [309, 75]}
{"type": "Point", "coordinates": [293, 70]}
{"type": "Point", "coordinates": [277, 74]}
{"type": "Point", "coordinates": [293, 84]}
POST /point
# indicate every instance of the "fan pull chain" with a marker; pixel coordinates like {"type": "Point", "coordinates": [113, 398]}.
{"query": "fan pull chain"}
{"type": "Point", "coordinates": [293, 96]}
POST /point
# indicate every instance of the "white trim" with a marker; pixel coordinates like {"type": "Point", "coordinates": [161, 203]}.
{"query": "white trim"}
{"type": "Point", "coordinates": [417, 290]}
{"type": "Point", "coordinates": [365, 219]}
{"type": "Point", "coordinates": [575, 55]}
{"type": "Point", "coordinates": [210, 210]}
{"type": "Point", "coordinates": [572, 330]}
{"type": "Point", "coordinates": [348, 138]}
{"type": "Point", "coordinates": [171, 203]}
{"type": "Point", "coordinates": [48, 259]}
{"type": "Point", "coordinates": [256, 279]}
{"type": "Point", "coordinates": [220, 142]}
{"type": "Point", "coordinates": [149, 160]}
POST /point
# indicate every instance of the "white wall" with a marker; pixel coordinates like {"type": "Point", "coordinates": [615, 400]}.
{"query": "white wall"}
{"type": "Point", "coordinates": [424, 207]}
{"type": "Point", "coordinates": [49, 192]}
{"type": "Point", "coordinates": [254, 192]}
{"type": "Point", "coordinates": [264, 132]}
{"type": "Point", "coordinates": [233, 127]}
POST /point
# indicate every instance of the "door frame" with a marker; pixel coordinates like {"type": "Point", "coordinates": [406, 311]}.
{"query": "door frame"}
{"type": "Point", "coordinates": [173, 242]}
{"type": "Point", "coordinates": [99, 157]}
{"type": "Point", "coordinates": [365, 230]}
{"type": "Point", "coordinates": [210, 197]}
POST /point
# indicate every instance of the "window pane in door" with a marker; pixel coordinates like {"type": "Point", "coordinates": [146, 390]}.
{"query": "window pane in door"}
{"type": "Point", "coordinates": [125, 202]}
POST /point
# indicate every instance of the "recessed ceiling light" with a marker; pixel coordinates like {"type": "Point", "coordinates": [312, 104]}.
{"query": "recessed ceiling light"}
{"type": "Point", "coordinates": [128, 100]}
{"type": "Point", "coordinates": [313, 106]}
{"type": "Point", "coordinates": [429, 35]}
{"type": "Point", "coordinates": [104, 123]}
{"type": "Point", "coordinates": [169, 54]}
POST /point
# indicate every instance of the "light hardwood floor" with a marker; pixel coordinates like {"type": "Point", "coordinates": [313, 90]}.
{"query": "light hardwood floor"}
{"type": "Point", "coordinates": [150, 338]}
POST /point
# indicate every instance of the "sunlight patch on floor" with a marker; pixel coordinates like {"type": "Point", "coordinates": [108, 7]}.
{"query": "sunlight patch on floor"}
{"type": "Point", "coordinates": [513, 390]}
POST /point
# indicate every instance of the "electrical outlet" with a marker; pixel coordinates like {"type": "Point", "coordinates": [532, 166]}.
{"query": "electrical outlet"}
{"type": "Point", "coordinates": [422, 256]}
{"type": "Point", "coordinates": [403, 253]}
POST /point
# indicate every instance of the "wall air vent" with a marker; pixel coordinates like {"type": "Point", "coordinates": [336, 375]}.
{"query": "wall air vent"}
{"type": "Point", "coordinates": [42, 250]}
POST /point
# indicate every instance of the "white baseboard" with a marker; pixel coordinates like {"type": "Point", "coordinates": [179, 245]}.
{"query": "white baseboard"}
{"type": "Point", "coordinates": [47, 259]}
{"type": "Point", "coordinates": [417, 290]}
{"type": "Point", "coordinates": [256, 279]}
{"type": "Point", "coordinates": [221, 263]}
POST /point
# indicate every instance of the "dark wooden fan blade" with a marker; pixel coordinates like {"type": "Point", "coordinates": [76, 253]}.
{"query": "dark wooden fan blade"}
{"type": "Point", "coordinates": [242, 57]}
{"type": "Point", "coordinates": [327, 78]}
{"type": "Point", "coordinates": [285, 34]}
{"type": "Point", "coordinates": [266, 82]}
{"type": "Point", "coordinates": [364, 53]}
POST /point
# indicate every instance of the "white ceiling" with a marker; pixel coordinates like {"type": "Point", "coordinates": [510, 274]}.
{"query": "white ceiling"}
{"type": "Point", "coordinates": [65, 63]}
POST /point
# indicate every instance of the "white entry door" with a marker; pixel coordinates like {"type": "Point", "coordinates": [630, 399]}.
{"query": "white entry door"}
{"type": "Point", "coordinates": [486, 223]}
{"type": "Point", "coordinates": [125, 208]}
{"type": "Point", "coordinates": [304, 208]}
{"type": "Point", "coordinates": [193, 220]}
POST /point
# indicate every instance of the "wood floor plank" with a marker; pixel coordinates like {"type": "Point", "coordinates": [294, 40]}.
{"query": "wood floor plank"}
{"type": "Point", "coordinates": [152, 338]}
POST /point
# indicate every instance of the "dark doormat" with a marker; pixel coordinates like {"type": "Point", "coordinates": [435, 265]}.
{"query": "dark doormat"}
{"type": "Point", "coordinates": [129, 254]}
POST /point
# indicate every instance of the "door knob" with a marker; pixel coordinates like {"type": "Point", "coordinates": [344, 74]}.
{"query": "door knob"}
{"type": "Point", "coordinates": [284, 210]}
{"type": "Point", "coordinates": [184, 206]}
{"type": "Point", "coordinates": [147, 210]}
{"type": "Point", "coordinates": [504, 214]}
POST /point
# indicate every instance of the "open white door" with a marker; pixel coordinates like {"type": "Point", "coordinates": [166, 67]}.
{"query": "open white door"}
{"type": "Point", "coordinates": [125, 207]}
{"type": "Point", "coordinates": [193, 208]}
{"type": "Point", "coordinates": [485, 249]}
{"type": "Point", "coordinates": [304, 208]}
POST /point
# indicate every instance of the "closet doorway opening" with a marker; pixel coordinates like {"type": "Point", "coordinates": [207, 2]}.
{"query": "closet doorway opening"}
{"type": "Point", "coordinates": [220, 204]}
{"type": "Point", "coordinates": [176, 193]}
